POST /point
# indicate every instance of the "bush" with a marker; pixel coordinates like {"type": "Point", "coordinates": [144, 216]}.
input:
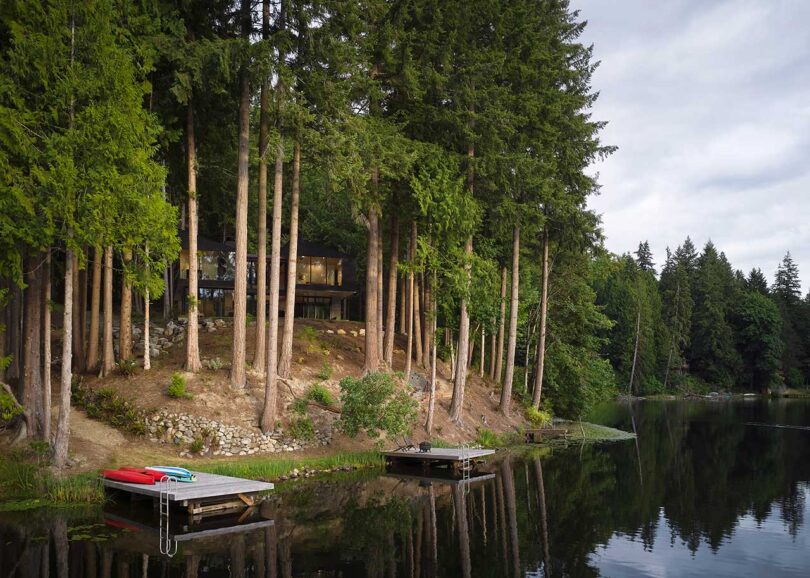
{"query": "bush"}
{"type": "Point", "coordinates": [9, 408]}
{"type": "Point", "coordinates": [537, 417]}
{"type": "Point", "coordinates": [487, 438]}
{"type": "Point", "coordinates": [373, 404]}
{"type": "Point", "coordinates": [196, 446]}
{"type": "Point", "coordinates": [299, 406]}
{"type": "Point", "coordinates": [310, 335]}
{"type": "Point", "coordinates": [213, 363]}
{"type": "Point", "coordinates": [104, 404]}
{"type": "Point", "coordinates": [319, 394]}
{"type": "Point", "coordinates": [177, 388]}
{"type": "Point", "coordinates": [127, 367]}
{"type": "Point", "coordinates": [302, 428]}
{"type": "Point", "coordinates": [325, 372]}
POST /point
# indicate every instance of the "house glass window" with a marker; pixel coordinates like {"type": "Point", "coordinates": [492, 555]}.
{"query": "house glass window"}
{"type": "Point", "coordinates": [217, 266]}
{"type": "Point", "coordinates": [317, 270]}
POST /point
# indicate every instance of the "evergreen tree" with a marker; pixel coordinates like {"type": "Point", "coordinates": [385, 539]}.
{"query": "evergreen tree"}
{"type": "Point", "coordinates": [759, 339]}
{"type": "Point", "coordinates": [644, 257]}
{"type": "Point", "coordinates": [756, 281]}
{"type": "Point", "coordinates": [787, 287]}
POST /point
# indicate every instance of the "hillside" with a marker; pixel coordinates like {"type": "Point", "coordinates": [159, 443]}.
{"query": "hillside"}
{"type": "Point", "coordinates": [324, 352]}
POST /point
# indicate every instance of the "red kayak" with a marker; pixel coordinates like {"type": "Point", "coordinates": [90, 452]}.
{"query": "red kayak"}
{"type": "Point", "coordinates": [155, 475]}
{"type": "Point", "coordinates": [130, 477]}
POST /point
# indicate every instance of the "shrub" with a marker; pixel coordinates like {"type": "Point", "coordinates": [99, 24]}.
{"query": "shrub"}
{"type": "Point", "coordinates": [325, 372]}
{"type": "Point", "coordinates": [488, 439]}
{"type": "Point", "coordinates": [319, 394]}
{"type": "Point", "coordinates": [537, 417]}
{"type": "Point", "coordinates": [9, 408]}
{"type": "Point", "coordinates": [104, 404]}
{"type": "Point", "coordinates": [177, 388]}
{"type": "Point", "coordinates": [373, 404]}
{"type": "Point", "coordinates": [302, 428]}
{"type": "Point", "coordinates": [213, 363]}
{"type": "Point", "coordinates": [310, 335]}
{"type": "Point", "coordinates": [127, 367]}
{"type": "Point", "coordinates": [196, 446]}
{"type": "Point", "coordinates": [299, 406]}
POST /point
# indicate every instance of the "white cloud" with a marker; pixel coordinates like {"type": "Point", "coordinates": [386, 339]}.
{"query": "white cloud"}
{"type": "Point", "coordinates": [709, 104]}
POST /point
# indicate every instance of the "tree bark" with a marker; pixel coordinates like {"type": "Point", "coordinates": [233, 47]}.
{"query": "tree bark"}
{"type": "Point", "coordinates": [260, 352]}
{"type": "Point", "coordinates": [506, 391]}
{"type": "Point", "coordinates": [32, 351]}
{"type": "Point", "coordinates": [125, 320]}
{"type": "Point", "coordinates": [193, 363]}
{"type": "Point", "coordinates": [411, 287]}
{"type": "Point", "coordinates": [285, 361]}
{"type": "Point", "coordinates": [501, 323]}
{"type": "Point", "coordinates": [268, 421]}
{"type": "Point", "coordinates": [46, 349]}
{"type": "Point", "coordinates": [417, 323]}
{"type": "Point", "coordinates": [432, 398]}
{"type": "Point", "coordinates": [541, 347]}
{"type": "Point", "coordinates": [492, 349]}
{"type": "Point", "coordinates": [238, 380]}
{"type": "Point", "coordinates": [380, 292]}
{"type": "Point", "coordinates": [427, 326]}
{"type": "Point", "coordinates": [60, 446]}
{"type": "Point", "coordinates": [403, 305]}
{"type": "Point", "coordinates": [456, 405]}
{"type": "Point", "coordinates": [483, 351]}
{"type": "Point", "coordinates": [147, 356]}
{"type": "Point", "coordinates": [78, 346]}
{"type": "Point", "coordinates": [95, 311]}
{"type": "Point", "coordinates": [83, 274]}
{"type": "Point", "coordinates": [372, 354]}
{"type": "Point", "coordinates": [390, 328]}
{"type": "Point", "coordinates": [108, 355]}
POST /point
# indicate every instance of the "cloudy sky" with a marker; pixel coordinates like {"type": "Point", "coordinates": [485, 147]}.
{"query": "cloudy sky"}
{"type": "Point", "coordinates": [709, 104]}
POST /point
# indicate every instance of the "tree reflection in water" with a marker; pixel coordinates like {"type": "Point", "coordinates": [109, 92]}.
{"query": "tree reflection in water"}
{"type": "Point", "coordinates": [696, 472]}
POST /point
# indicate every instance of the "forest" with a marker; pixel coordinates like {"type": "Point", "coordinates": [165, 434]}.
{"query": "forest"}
{"type": "Point", "coordinates": [446, 144]}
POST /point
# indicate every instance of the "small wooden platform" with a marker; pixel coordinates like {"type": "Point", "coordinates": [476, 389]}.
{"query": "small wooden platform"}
{"type": "Point", "coordinates": [186, 533]}
{"type": "Point", "coordinates": [210, 492]}
{"type": "Point", "coordinates": [451, 457]}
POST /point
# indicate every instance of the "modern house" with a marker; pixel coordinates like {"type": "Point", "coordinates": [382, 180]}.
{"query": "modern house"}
{"type": "Point", "coordinates": [326, 280]}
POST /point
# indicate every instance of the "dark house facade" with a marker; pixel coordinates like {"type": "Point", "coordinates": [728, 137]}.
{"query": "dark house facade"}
{"type": "Point", "coordinates": [326, 280]}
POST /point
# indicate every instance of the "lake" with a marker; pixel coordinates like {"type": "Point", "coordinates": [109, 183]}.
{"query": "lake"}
{"type": "Point", "coordinates": [707, 489]}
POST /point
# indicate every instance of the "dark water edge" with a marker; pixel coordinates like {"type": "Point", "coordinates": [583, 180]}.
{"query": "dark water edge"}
{"type": "Point", "coordinates": [707, 489]}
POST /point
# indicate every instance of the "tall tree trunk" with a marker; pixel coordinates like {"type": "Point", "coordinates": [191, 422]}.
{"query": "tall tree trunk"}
{"type": "Point", "coordinates": [285, 361]}
{"type": "Point", "coordinates": [635, 353]}
{"type": "Point", "coordinates": [432, 398]}
{"type": "Point", "coordinates": [108, 354]}
{"type": "Point", "coordinates": [492, 355]}
{"type": "Point", "coordinates": [78, 346]}
{"type": "Point", "coordinates": [147, 355]}
{"type": "Point", "coordinates": [372, 354]}
{"type": "Point", "coordinates": [541, 347]}
{"type": "Point", "coordinates": [167, 293]}
{"type": "Point", "coordinates": [501, 323]}
{"type": "Point", "coordinates": [240, 274]}
{"type": "Point", "coordinates": [46, 349]}
{"type": "Point", "coordinates": [457, 404]}
{"type": "Point", "coordinates": [403, 304]}
{"type": "Point", "coordinates": [417, 323]}
{"type": "Point", "coordinates": [268, 421]}
{"type": "Point", "coordinates": [411, 287]}
{"type": "Point", "coordinates": [260, 352]}
{"type": "Point", "coordinates": [390, 328]}
{"type": "Point", "coordinates": [125, 317]}
{"type": "Point", "coordinates": [427, 326]}
{"type": "Point", "coordinates": [32, 346]}
{"type": "Point", "coordinates": [506, 391]}
{"type": "Point", "coordinates": [193, 363]}
{"type": "Point", "coordinates": [380, 291]}
{"type": "Point", "coordinates": [83, 280]}
{"type": "Point", "coordinates": [60, 446]}
{"type": "Point", "coordinates": [95, 311]}
{"type": "Point", "coordinates": [483, 351]}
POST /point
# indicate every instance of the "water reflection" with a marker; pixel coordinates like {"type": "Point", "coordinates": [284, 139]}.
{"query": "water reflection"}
{"type": "Point", "coordinates": [701, 493]}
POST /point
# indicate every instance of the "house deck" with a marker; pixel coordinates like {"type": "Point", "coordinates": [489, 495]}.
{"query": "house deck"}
{"type": "Point", "coordinates": [452, 457]}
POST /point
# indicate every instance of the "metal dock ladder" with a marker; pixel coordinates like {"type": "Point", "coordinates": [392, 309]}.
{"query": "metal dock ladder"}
{"type": "Point", "coordinates": [466, 467]}
{"type": "Point", "coordinates": [168, 486]}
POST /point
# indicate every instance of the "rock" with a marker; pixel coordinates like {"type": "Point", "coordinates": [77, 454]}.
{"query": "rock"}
{"type": "Point", "coordinates": [362, 331]}
{"type": "Point", "coordinates": [342, 332]}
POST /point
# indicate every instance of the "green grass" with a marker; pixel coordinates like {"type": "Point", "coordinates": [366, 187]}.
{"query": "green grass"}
{"type": "Point", "coordinates": [26, 482]}
{"type": "Point", "coordinates": [274, 468]}
{"type": "Point", "coordinates": [593, 432]}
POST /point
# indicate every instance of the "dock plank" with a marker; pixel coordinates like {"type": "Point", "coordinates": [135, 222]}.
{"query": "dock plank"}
{"type": "Point", "coordinates": [206, 486]}
{"type": "Point", "coordinates": [439, 454]}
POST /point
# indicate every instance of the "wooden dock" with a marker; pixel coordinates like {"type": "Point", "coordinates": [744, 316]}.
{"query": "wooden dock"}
{"type": "Point", "coordinates": [209, 493]}
{"type": "Point", "coordinates": [454, 458]}
{"type": "Point", "coordinates": [431, 477]}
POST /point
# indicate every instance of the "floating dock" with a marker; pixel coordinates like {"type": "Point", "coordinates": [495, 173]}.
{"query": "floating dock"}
{"type": "Point", "coordinates": [534, 436]}
{"type": "Point", "coordinates": [209, 493]}
{"type": "Point", "coordinates": [454, 458]}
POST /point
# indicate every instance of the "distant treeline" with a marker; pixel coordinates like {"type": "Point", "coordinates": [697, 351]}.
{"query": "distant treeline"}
{"type": "Point", "coordinates": [703, 321]}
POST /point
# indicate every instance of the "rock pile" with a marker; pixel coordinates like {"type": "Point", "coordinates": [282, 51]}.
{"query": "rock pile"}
{"type": "Point", "coordinates": [203, 436]}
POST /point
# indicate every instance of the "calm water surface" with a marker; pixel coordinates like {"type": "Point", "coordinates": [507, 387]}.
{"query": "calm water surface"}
{"type": "Point", "coordinates": [708, 490]}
